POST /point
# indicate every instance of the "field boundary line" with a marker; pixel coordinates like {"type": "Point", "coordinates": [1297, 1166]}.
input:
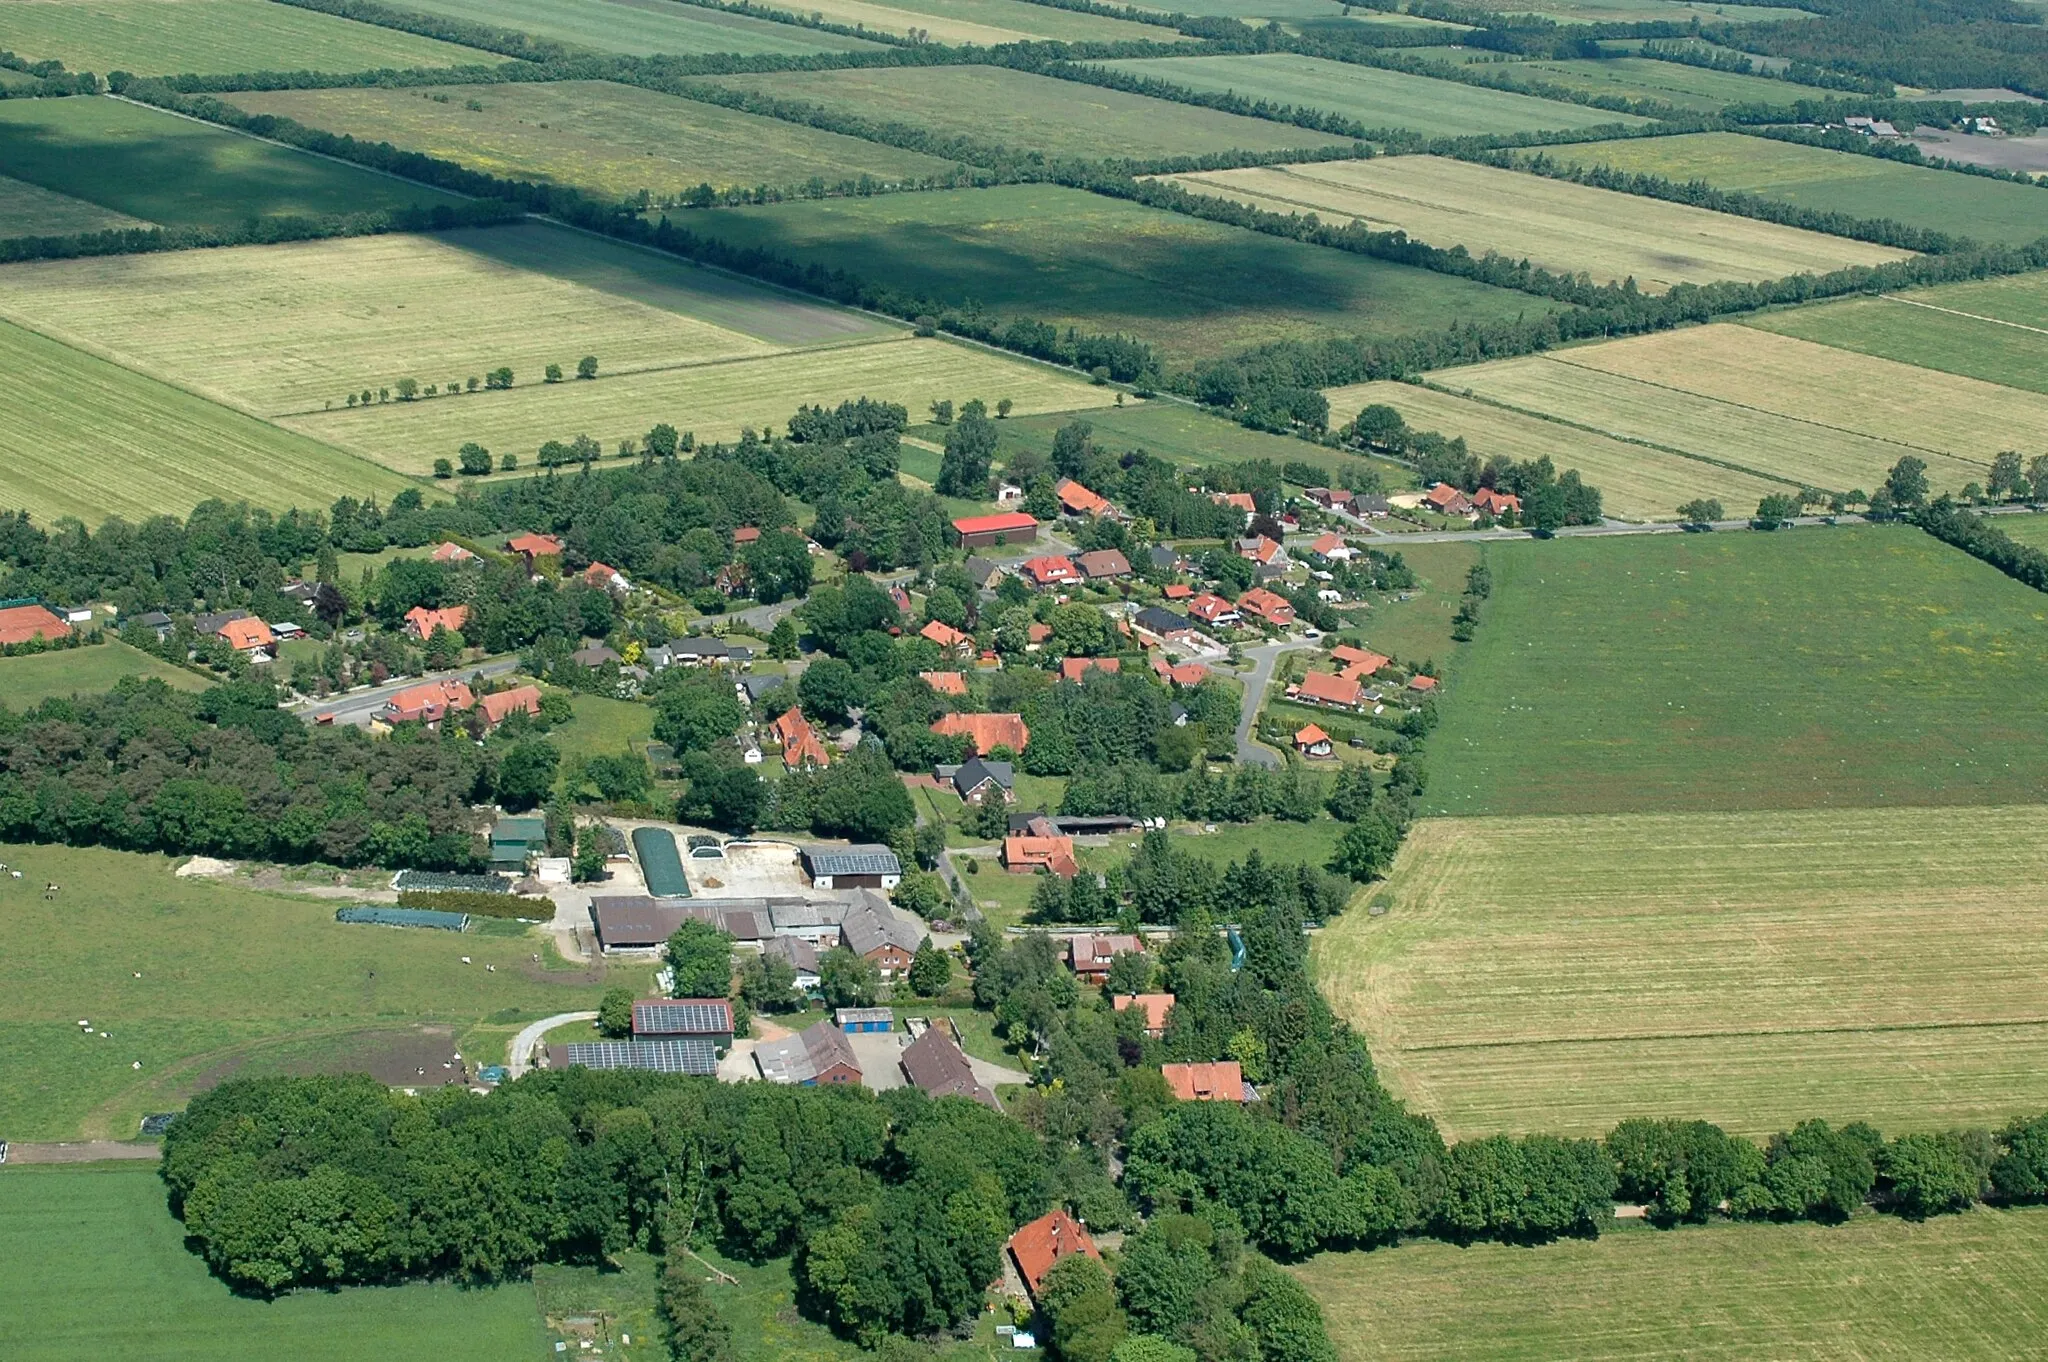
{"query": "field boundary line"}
{"type": "Point", "coordinates": [1755, 1033]}
{"type": "Point", "coordinates": [1954, 312]}
{"type": "Point", "coordinates": [1765, 411]}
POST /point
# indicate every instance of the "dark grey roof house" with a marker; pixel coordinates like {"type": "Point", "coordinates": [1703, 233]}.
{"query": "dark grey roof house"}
{"type": "Point", "coordinates": [1162, 622]}
{"type": "Point", "coordinates": [935, 1064]}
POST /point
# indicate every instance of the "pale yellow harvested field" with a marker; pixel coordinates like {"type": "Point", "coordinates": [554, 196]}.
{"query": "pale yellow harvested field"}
{"type": "Point", "coordinates": [986, 22]}
{"type": "Point", "coordinates": [1751, 969]}
{"type": "Point", "coordinates": [275, 330]}
{"type": "Point", "coordinates": [31, 210]}
{"type": "Point", "coordinates": [714, 401]}
{"type": "Point", "coordinates": [1636, 483]}
{"type": "Point", "coordinates": [1564, 227]}
{"type": "Point", "coordinates": [1777, 407]}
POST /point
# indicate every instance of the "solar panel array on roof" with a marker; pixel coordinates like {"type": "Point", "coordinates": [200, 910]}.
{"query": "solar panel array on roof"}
{"type": "Point", "coordinates": [682, 1017]}
{"type": "Point", "coordinates": [854, 860]}
{"type": "Point", "coordinates": [686, 1055]}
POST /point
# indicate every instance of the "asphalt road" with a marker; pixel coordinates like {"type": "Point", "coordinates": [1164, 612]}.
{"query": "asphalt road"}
{"type": "Point", "coordinates": [358, 707]}
{"type": "Point", "coordinates": [1262, 659]}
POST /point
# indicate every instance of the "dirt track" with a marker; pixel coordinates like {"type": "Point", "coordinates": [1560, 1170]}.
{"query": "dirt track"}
{"type": "Point", "coordinates": [82, 1151]}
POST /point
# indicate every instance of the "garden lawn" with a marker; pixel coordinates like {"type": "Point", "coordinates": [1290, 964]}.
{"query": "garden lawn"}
{"type": "Point", "coordinates": [98, 1269]}
{"type": "Point", "coordinates": [1961, 1287]}
{"type": "Point", "coordinates": [26, 681]}
{"type": "Point", "coordinates": [215, 37]}
{"type": "Point", "coordinates": [1194, 289]}
{"type": "Point", "coordinates": [643, 28]}
{"type": "Point", "coordinates": [1557, 225]}
{"type": "Point", "coordinates": [1766, 404]}
{"type": "Point", "coordinates": [1993, 329]}
{"type": "Point", "coordinates": [1636, 482]}
{"type": "Point", "coordinates": [996, 106]}
{"type": "Point", "coordinates": [1849, 667]}
{"type": "Point", "coordinates": [601, 727]}
{"type": "Point", "coordinates": [1830, 181]}
{"type": "Point", "coordinates": [91, 439]}
{"type": "Point", "coordinates": [608, 139]}
{"type": "Point", "coordinates": [179, 172]}
{"type": "Point", "coordinates": [1376, 98]}
{"type": "Point", "coordinates": [229, 975]}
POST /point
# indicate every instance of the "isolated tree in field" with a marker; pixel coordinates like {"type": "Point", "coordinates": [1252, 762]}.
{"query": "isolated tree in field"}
{"type": "Point", "coordinates": [408, 389]}
{"type": "Point", "coordinates": [367, 397]}
{"type": "Point", "coordinates": [1774, 510]}
{"type": "Point", "coordinates": [615, 1013]}
{"type": "Point", "coordinates": [507, 462]}
{"type": "Point", "coordinates": [700, 957]}
{"type": "Point", "coordinates": [1907, 482]}
{"type": "Point", "coordinates": [552, 374]}
{"type": "Point", "coordinates": [1368, 847]}
{"type": "Point", "coordinates": [1380, 426]}
{"type": "Point", "coordinates": [661, 441]}
{"type": "Point", "coordinates": [1003, 408]}
{"type": "Point", "coordinates": [942, 412]}
{"type": "Point", "coordinates": [443, 469]}
{"type": "Point", "coordinates": [475, 458]}
{"type": "Point", "coordinates": [383, 394]}
{"type": "Point", "coordinates": [474, 382]}
{"type": "Point", "coordinates": [847, 980]}
{"type": "Point", "coordinates": [500, 378]}
{"type": "Point", "coordinates": [587, 367]}
{"type": "Point", "coordinates": [931, 970]}
{"type": "Point", "coordinates": [351, 399]}
{"type": "Point", "coordinates": [2005, 474]}
{"type": "Point", "coordinates": [1703, 511]}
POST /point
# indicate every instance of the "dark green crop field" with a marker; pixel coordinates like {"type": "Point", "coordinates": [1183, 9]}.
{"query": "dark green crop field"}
{"type": "Point", "coordinates": [1993, 329]}
{"type": "Point", "coordinates": [1026, 112]}
{"type": "Point", "coordinates": [1852, 667]}
{"type": "Point", "coordinates": [178, 172]}
{"type": "Point", "coordinates": [1194, 289]}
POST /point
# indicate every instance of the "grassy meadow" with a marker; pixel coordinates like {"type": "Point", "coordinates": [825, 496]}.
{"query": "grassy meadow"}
{"type": "Point", "coordinates": [714, 401]}
{"type": "Point", "coordinates": [294, 328]}
{"type": "Point", "coordinates": [1636, 482]}
{"type": "Point", "coordinates": [28, 680]}
{"type": "Point", "coordinates": [1692, 88]}
{"type": "Point", "coordinates": [1994, 329]}
{"type": "Point", "coordinates": [2027, 529]}
{"type": "Point", "coordinates": [1375, 97]}
{"type": "Point", "coordinates": [1770, 405]}
{"type": "Point", "coordinates": [1831, 181]}
{"type": "Point", "coordinates": [91, 439]}
{"type": "Point", "coordinates": [607, 139]}
{"type": "Point", "coordinates": [1564, 227]}
{"type": "Point", "coordinates": [99, 1269]}
{"type": "Point", "coordinates": [1878, 1289]}
{"type": "Point", "coordinates": [643, 28]}
{"type": "Point", "coordinates": [179, 172]}
{"type": "Point", "coordinates": [28, 210]}
{"type": "Point", "coordinates": [233, 980]}
{"type": "Point", "coordinates": [1845, 668]}
{"type": "Point", "coordinates": [215, 37]}
{"type": "Point", "coordinates": [1194, 289]}
{"type": "Point", "coordinates": [986, 22]}
{"type": "Point", "coordinates": [996, 106]}
{"type": "Point", "coordinates": [1750, 969]}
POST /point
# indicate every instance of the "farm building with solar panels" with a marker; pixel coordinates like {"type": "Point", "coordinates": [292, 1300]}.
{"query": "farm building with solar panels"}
{"type": "Point", "coordinates": [854, 867]}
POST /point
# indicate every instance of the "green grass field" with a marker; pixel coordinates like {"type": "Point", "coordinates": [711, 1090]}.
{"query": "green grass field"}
{"type": "Point", "coordinates": [984, 22]}
{"type": "Point", "coordinates": [100, 1271]}
{"type": "Point", "coordinates": [642, 28]}
{"type": "Point", "coordinates": [215, 37]}
{"type": "Point", "coordinates": [1641, 11]}
{"type": "Point", "coordinates": [2028, 529]}
{"type": "Point", "coordinates": [27, 681]}
{"type": "Point", "coordinates": [1419, 628]}
{"type": "Point", "coordinates": [314, 321]}
{"type": "Point", "coordinates": [1691, 88]}
{"type": "Point", "coordinates": [1751, 969]}
{"type": "Point", "coordinates": [611, 140]}
{"type": "Point", "coordinates": [715, 401]}
{"type": "Point", "coordinates": [27, 210]}
{"type": "Point", "coordinates": [1831, 181]}
{"type": "Point", "coordinates": [1194, 289]}
{"type": "Point", "coordinates": [1376, 98]}
{"type": "Point", "coordinates": [177, 171]}
{"type": "Point", "coordinates": [233, 980]}
{"type": "Point", "coordinates": [1849, 667]}
{"type": "Point", "coordinates": [1994, 329]}
{"type": "Point", "coordinates": [1767, 404]}
{"type": "Point", "coordinates": [1024, 112]}
{"type": "Point", "coordinates": [91, 439]}
{"type": "Point", "coordinates": [1963, 1287]}
{"type": "Point", "coordinates": [1561, 226]}
{"type": "Point", "coordinates": [1635, 482]}
{"type": "Point", "coordinates": [1180, 434]}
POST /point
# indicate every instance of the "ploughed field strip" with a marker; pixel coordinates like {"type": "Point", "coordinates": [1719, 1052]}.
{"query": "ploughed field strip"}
{"type": "Point", "coordinates": [214, 37]}
{"type": "Point", "coordinates": [1772, 405]}
{"type": "Point", "coordinates": [1854, 667]}
{"type": "Point", "coordinates": [1751, 969]}
{"type": "Point", "coordinates": [643, 28]}
{"type": "Point", "coordinates": [1025, 112]}
{"type": "Point", "coordinates": [1377, 98]}
{"type": "Point", "coordinates": [714, 401]}
{"type": "Point", "coordinates": [1563, 227]}
{"type": "Point", "coordinates": [1962, 1287]}
{"type": "Point", "coordinates": [1864, 187]}
{"type": "Point", "coordinates": [30, 210]}
{"type": "Point", "coordinates": [1636, 482]}
{"type": "Point", "coordinates": [1993, 329]}
{"type": "Point", "coordinates": [608, 139]}
{"type": "Point", "coordinates": [179, 172]}
{"type": "Point", "coordinates": [87, 438]}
